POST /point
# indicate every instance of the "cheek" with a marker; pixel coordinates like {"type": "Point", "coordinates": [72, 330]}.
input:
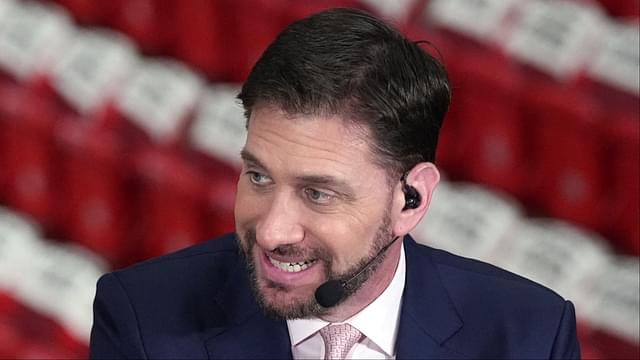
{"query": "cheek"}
{"type": "Point", "coordinates": [346, 237]}
{"type": "Point", "coordinates": [352, 234]}
{"type": "Point", "coordinates": [247, 206]}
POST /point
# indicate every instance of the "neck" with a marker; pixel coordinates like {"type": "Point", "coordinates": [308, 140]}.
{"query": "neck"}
{"type": "Point", "coordinates": [370, 290]}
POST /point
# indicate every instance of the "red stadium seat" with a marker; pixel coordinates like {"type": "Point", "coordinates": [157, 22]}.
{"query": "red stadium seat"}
{"type": "Point", "coordinates": [155, 103]}
{"type": "Point", "coordinates": [203, 37]}
{"type": "Point", "coordinates": [492, 141]}
{"type": "Point", "coordinates": [216, 137]}
{"type": "Point", "coordinates": [482, 136]}
{"type": "Point", "coordinates": [92, 208]}
{"type": "Point", "coordinates": [622, 208]}
{"type": "Point", "coordinates": [149, 23]}
{"type": "Point", "coordinates": [566, 179]}
{"type": "Point", "coordinates": [30, 158]}
{"type": "Point", "coordinates": [31, 33]}
{"type": "Point", "coordinates": [169, 204]}
{"type": "Point", "coordinates": [97, 211]}
{"type": "Point", "coordinates": [612, 80]}
{"type": "Point", "coordinates": [90, 12]}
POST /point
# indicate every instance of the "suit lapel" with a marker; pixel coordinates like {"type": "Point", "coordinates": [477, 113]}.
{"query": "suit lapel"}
{"type": "Point", "coordinates": [249, 334]}
{"type": "Point", "coordinates": [428, 318]}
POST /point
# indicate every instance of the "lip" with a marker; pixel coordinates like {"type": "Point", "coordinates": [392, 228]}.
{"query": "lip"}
{"type": "Point", "coordinates": [275, 274]}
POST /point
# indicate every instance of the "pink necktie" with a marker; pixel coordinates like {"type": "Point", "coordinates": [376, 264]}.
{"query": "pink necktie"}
{"type": "Point", "coordinates": [338, 340]}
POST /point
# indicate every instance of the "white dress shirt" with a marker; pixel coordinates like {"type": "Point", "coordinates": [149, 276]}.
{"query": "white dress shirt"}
{"type": "Point", "coordinates": [378, 322]}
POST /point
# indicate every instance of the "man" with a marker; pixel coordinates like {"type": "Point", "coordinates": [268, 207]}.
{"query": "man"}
{"type": "Point", "coordinates": [343, 115]}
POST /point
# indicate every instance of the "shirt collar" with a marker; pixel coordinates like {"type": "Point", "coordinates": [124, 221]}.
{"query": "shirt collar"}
{"type": "Point", "coordinates": [374, 321]}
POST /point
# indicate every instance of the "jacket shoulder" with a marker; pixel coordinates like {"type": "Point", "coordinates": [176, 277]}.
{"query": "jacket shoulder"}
{"type": "Point", "coordinates": [503, 314]}
{"type": "Point", "coordinates": [457, 270]}
{"type": "Point", "coordinates": [203, 266]}
{"type": "Point", "coordinates": [139, 310]}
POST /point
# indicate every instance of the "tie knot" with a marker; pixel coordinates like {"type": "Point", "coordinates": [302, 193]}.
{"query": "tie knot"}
{"type": "Point", "coordinates": [338, 340]}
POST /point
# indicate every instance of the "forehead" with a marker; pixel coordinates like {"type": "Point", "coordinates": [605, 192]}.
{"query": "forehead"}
{"type": "Point", "coordinates": [310, 144]}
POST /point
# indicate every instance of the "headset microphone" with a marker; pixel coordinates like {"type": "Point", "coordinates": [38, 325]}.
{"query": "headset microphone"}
{"type": "Point", "coordinates": [331, 292]}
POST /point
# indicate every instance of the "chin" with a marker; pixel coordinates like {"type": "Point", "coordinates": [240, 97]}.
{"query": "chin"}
{"type": "Point", "coordinates": [285, 304]}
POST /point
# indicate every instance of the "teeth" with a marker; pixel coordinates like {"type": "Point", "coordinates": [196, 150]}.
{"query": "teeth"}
{"type": "Point", "coordinates": [291, 267]}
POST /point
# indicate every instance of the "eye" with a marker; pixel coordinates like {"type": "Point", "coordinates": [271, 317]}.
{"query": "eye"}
{"type": "Point", "coordinates": [257, 178]}
{"type": "Point", "coordinates": [318, 197]}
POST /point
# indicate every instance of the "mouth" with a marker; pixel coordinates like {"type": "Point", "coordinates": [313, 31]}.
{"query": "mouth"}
{"type": "Point", "coordinates": [291, 267]}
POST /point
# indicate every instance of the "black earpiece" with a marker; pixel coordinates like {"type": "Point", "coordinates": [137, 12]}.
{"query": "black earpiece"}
{"type": "Point", "coordinates": [412, 197]}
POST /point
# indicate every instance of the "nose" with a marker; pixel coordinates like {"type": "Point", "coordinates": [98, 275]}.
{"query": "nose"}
{"type": "Point", "coordinates": [280, 225]}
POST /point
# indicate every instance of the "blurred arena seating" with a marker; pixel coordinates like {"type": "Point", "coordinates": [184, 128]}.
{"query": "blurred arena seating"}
{"type": "Point", "coordinates": [120, 135]}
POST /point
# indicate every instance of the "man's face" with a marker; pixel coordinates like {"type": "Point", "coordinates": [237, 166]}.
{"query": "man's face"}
{"type": "Point", "coordinates": [311, 205]}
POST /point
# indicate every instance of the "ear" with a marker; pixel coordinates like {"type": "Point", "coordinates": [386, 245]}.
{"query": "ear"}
{"type": "Point", "coordinates": [423, 177]}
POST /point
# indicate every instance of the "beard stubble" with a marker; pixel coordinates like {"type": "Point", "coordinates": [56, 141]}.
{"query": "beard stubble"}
{"type": "Point", "coordinates": [278, 307]}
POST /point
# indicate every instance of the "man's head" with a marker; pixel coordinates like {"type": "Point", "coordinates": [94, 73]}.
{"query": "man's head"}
{"type": "Point", "coordinates": [339, 107]}
{"type": "Point", "coordinates": [347, 62]}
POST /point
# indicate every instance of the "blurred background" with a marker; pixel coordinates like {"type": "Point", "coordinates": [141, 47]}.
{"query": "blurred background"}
{"type": "Point", "coordinates": [119, 141]}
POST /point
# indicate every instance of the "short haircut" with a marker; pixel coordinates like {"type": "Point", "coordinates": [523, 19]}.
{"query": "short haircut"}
{"type": "Point", "coordinates": [346, 62]}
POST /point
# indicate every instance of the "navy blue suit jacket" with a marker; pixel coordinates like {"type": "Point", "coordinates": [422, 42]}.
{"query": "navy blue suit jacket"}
{"type": "Point", "coordinates": [196, 303]}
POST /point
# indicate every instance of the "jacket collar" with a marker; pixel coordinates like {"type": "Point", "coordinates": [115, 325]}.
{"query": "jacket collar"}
{"type": "Point", "coordinates": [428, 316]}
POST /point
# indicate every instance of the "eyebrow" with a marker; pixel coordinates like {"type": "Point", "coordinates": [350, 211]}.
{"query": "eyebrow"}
{"type": "Point", "coordinates": [249, 158]}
